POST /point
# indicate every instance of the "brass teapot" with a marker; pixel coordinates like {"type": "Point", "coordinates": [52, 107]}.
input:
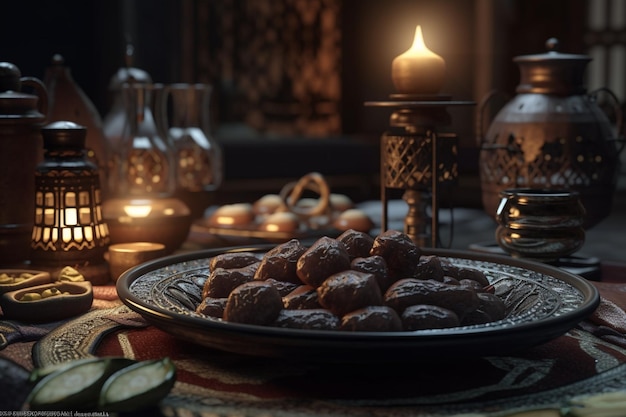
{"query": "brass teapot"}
{"type": "Point", "coordinates": [552, 135]}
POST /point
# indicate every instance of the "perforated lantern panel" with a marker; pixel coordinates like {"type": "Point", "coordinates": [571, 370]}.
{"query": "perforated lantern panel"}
{"type": "Point", "coordinates": [408, 160]}
{"type": "Point", "coordinates": [580, 163]}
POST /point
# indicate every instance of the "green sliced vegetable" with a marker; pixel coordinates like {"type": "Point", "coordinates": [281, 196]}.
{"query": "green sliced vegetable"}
{"type": "Point", "coordinates": [75, 386]}
{"type": "Point", "coordinates": [38, 374]}
{"type": "Point", "coordinates": [138, 386]}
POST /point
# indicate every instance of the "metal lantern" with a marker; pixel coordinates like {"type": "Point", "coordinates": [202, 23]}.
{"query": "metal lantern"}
{"type": "Point", "coordinates": [69, 229]}
{"type": "Point", "coordinates": [418, 158]}
{"type": "Point", "coordinates": [552, 136]}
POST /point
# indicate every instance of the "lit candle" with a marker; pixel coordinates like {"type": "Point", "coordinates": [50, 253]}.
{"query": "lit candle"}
{"type": "Point", "coordinates": [418, 70]}
{"type": "Point", "coordinates": [122, 256]}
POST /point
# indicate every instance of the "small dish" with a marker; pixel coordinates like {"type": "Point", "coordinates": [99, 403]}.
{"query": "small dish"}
{"type": "Point", "coordinates": [74, 298]}
{"type": "Point", "coordinates": [35, 278]}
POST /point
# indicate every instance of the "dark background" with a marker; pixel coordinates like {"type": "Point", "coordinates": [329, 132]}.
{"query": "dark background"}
{"type": "Point", "coordinates": [91, 36]}
{"type": "Point", "coordinates": [174, 39]}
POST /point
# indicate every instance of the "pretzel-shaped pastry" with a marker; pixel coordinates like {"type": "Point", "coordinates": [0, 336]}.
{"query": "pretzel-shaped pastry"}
{"type": "Point", "coordinates": [292, 192]}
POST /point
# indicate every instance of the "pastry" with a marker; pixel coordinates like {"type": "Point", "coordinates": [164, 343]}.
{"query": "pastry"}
{"type": "Point", "coordinates": [280, 222]}
{"type": "Point", "coordinates": [231, 215]}
{"type": "Point", "coordinates": [353, 219]}
{"type": "Point", "coordinates": [268, 204]}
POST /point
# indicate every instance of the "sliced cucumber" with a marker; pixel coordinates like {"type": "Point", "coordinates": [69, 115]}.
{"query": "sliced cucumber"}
{"type": "Point", "coordinates": [39, 373]}
{"type": "Point", "coordinates": [138, 386]}
{"type": "Point", "coordinates": [75, 386]}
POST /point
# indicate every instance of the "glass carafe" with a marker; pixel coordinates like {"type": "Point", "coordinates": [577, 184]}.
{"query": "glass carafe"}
{"type": "Point", "coordinates": [142, 161]}
{"type": "Point", "coordinates": [196, 155]}
{"type": "Point", "coordinates": [114, 120]}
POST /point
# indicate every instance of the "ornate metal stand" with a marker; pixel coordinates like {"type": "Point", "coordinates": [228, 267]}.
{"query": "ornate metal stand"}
{"type": "Point", "coordinates": [417, 158]}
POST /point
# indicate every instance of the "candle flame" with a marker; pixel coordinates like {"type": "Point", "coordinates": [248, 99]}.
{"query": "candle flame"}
{"type": "Point", "coordinates": [138, 210]}
{"type": "Point", "coordinates": [419, 47]}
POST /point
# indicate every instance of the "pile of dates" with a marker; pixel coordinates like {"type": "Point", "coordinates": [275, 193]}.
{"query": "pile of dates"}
{"type": "Point", "coordinates": [354, 282]}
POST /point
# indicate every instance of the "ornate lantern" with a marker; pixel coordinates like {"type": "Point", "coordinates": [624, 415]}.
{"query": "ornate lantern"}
{"type": "Point", "coordinates": [69, 229]}
{"type": "Point", "coordinates": [552, 135]}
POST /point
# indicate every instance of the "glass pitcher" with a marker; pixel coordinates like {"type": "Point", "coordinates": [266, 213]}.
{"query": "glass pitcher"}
{"type": "Point", "coordinates": [185, 116]}
{"type": "Point", "coordinates": [142, 161]}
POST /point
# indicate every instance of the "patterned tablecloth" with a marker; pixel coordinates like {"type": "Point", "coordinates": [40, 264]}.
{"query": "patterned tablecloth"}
{"type": "Point", "coordinates": [588, 360]}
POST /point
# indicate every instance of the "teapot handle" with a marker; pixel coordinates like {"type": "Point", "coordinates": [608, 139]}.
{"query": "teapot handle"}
{"type": "Point", "coordinates": [619, 115]}
{"type": "Point", "coordinates": [161, 108]}
{"type": "Point", "coordinates": [40, 90]}
{"type": "Point", "coordinates": [480, 133]}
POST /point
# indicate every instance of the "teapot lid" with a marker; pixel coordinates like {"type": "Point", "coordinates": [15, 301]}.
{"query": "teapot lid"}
{"type": "Point", "coordinates": [552, 72]}
{"type": "Point", "coordinates": [14, 104]}
{"type": "Point", "coordinates": [9, 77]}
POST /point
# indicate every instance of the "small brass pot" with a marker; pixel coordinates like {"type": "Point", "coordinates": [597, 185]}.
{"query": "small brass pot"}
{"type": "Point", "coordinates": [542, 225]}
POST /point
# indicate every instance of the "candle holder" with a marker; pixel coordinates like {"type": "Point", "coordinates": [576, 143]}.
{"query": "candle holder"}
{"type": "Point", "coordinates": [418, 158]}
{"type": "Point", "coordinates": [69, 229]}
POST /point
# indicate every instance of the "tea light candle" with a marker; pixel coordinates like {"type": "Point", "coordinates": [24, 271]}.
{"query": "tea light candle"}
{"type": "Point", "coordinates": [123, 256]}
{"type": "Point", "coordinates": [418, 70]}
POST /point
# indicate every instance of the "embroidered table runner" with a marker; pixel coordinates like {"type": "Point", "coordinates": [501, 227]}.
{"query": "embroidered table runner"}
{"type": "Point", "coordinates": [589, 359]}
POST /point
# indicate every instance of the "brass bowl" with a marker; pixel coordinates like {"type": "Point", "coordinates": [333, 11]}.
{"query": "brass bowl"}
{"type": "Point", "coordinates": [542, 225]}
{"type": "Point", "coordinates": [164, 220]}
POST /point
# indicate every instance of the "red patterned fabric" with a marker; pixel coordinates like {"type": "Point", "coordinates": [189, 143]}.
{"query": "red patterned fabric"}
{"type": "Point", "coordinates": [589, 358]}
{"type": "Point", "coordinates": [580, 356]}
